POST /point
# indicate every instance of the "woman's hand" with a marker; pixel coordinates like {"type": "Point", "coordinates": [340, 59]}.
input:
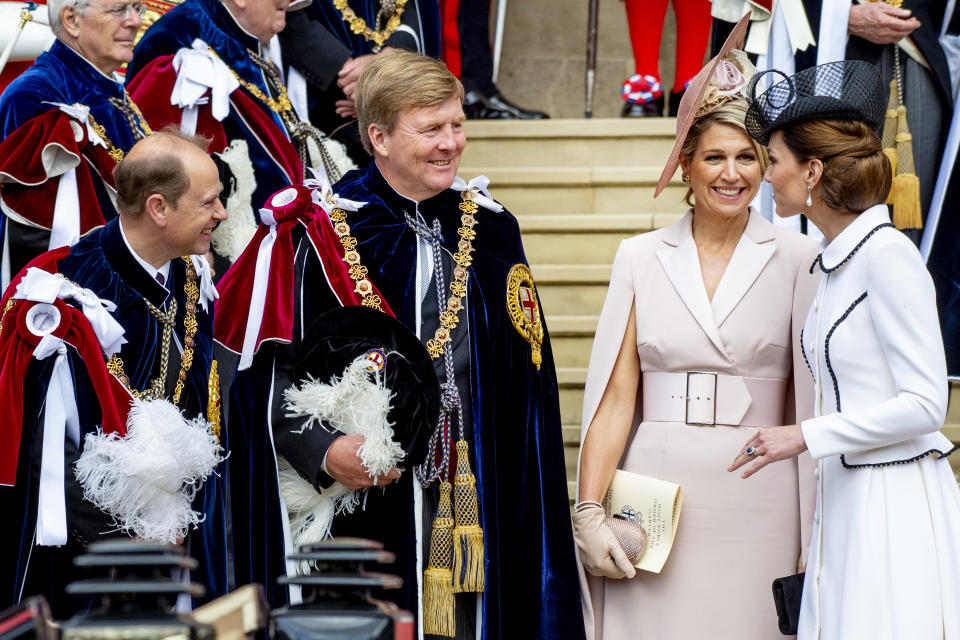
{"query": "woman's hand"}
{"type": "Point", "coordinates": [769, 445]}
{"type": "Point", "coordinates": [600, 552]}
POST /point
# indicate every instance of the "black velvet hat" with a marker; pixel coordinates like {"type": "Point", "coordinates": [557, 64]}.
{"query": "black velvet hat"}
{"type": "Point", "coordinates": [340, 336]}
{"type": "Point", "coordinates": [845, 90]}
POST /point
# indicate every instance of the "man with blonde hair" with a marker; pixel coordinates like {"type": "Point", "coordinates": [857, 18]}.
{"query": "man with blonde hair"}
{"type": "Point", "coordinates": [481, 525]}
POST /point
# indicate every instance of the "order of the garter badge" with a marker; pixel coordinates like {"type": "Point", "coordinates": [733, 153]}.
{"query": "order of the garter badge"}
{"type": "Point", "coordinates": [524, 310]}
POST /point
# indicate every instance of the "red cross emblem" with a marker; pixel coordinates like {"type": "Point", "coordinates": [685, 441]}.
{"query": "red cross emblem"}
{"type": "Point", "coordinates": [528, 302]}
{"type": "Point", "coordinates": [376, 358]}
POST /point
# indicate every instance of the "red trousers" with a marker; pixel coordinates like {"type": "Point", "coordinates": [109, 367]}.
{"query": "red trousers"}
{"type": "Point", "coordinates": [645, 19]}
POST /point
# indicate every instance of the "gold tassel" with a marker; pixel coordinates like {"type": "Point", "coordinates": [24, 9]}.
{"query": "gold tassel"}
{"type": "Point", "coordinates": [905, 193]}
{"type": "Point", "coordinates": [468, 571]}
{"type": "Point", "coordinates": [889, 138]}
{"type": "Point", "coordinates": [906, 202]}
{"type": "Point", "coordinates": [438, 604]}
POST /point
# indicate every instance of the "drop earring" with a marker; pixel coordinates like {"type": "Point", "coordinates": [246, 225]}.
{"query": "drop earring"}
{"type": "Point", "coordinates": [809, 196]}
{"type": "Point", "coordinates": [685, 177]}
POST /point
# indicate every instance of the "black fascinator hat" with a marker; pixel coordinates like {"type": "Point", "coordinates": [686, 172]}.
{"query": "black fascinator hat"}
{"type": "Point", "coordinates": [845, 90]}
{"type": "Point", "coordinates": [340, 336]}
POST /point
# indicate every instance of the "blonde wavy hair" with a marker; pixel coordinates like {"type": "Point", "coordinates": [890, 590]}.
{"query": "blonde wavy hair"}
{"type": "Point", "coordinates": [731, 113]}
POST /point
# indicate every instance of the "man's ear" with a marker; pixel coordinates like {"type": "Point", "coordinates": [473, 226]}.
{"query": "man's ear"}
{"type": "Point", "coordinates": [156, 208]}
{"type": "Point", "coordinates": [378, 139]}
{"type": "Point", "coordinates": [70, 19]}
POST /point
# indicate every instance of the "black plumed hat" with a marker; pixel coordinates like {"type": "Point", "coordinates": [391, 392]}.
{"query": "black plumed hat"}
{"type": "Point", "coordinates": [340, 336]}
{"type": "Point", "coordinates": [845, 90]}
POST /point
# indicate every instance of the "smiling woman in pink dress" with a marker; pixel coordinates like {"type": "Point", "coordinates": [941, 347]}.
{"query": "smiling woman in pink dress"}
{"type": "Point", "coordinates": [721, 292]}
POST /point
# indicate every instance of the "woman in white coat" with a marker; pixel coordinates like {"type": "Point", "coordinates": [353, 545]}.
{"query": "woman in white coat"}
{"type": "Point", "coordinates": [884, 560]}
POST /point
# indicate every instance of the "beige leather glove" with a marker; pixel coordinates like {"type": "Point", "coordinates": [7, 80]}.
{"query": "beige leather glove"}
{"type": "Point", "coordinates": [600, 552]}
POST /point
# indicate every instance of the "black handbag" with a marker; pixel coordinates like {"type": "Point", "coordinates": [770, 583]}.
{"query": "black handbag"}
{"type": "Point", "coordinates": [786, 597]}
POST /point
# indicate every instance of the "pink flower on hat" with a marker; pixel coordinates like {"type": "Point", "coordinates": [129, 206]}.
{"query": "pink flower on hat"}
{"type": "Point", "coordinates": [727, 78]}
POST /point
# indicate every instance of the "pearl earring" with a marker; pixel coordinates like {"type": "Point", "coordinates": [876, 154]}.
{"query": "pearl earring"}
{"type": "Point", "coordinates": [809, 196]}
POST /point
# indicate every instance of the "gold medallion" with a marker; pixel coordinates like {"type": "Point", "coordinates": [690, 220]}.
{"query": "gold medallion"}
{"type": "Point", "coordinates": [523, 308]}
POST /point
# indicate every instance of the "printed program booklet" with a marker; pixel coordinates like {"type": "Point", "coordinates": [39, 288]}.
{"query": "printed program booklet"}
{"type": "Point", "coordinates": [652, 503]}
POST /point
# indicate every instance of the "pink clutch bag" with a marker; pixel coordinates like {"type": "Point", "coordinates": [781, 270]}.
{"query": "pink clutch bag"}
{"type": "Point", "coordinates": [631, 536]}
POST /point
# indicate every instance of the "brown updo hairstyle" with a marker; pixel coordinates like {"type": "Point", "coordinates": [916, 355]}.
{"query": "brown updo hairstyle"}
{"type": "Point", "coordinates": [856, 171]}
{"type": "Point", "coordinates": [732, 114]}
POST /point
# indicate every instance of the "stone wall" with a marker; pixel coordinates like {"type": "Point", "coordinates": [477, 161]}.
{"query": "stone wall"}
{"type": "Point", "coordinates": [543, 64]}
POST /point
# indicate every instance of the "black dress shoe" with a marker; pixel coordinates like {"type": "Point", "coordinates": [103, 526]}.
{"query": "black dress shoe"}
{"type": "Point", "coordinates": [675, 98]}
{"type": "Point", "coordinates": [477, 106]}
{"type": "Point", "coordinates": [652, 109]}
{"type": "Point", "coordinates": [518, 112]}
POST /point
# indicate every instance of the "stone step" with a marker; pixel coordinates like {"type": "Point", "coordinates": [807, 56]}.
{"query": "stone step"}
{"type": "Point", "coordinates": [576, 290]}
{"type": "Point", "coordinates": [568, 143]}
{"type": "Point", "coordinates": [574, 190]}
{"type": "Point", "coordinates": [583, 238]}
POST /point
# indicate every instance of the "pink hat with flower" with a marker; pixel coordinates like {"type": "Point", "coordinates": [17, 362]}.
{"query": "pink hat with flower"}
{"type": "Point", "coordinates": [725, 77]}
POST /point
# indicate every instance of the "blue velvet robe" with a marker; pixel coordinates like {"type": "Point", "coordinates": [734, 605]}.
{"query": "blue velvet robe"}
{"type": "Point", "coordinates": [64, 76]}
{"type": "Point", "coordinates": [210, 21]}
{"type": "Point", "coordinates": [102, 263]}
{"type": "Point", "coordinates": [532, 589]}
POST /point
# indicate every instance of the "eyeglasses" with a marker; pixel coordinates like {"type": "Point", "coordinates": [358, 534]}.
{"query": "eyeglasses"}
{"type": "Point", "coordinates": [121, 10]}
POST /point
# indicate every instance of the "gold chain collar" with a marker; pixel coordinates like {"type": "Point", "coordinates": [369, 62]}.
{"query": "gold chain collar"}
{"type": "Point", "coordinates": [280, 106]}
{"type": "Point", "coordinates": [458, 286]}
{"type": "Point", "coordinates": [135, 120]}
{"type": "Point", "coordinates": [158, 385]}
{"type": "Point", "coordinates": [360, 27]}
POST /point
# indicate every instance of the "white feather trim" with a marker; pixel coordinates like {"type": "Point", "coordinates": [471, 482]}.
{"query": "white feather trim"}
{"type": "Point", "coordinates": [233, 235]}
{"type": "Point", "coordinates": [147, 480]}
{"type": "Point", "coordinates": [356, 404]}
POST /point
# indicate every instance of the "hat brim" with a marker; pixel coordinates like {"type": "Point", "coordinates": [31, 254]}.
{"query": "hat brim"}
{"type": "Point", "coordinates": [694, 96]}
{"type": "Point", "coordinates": [337, 337]}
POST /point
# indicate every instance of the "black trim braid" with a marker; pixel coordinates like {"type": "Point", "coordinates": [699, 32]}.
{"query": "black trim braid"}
{"type": "Point", "coordinates": [819, 258]}
{"type": "Point", "coordinates": [803, 352]}
{"type": "Point", "coordinates": [826, 343]}
{"type": "Point", "coordinates": [843, 459]}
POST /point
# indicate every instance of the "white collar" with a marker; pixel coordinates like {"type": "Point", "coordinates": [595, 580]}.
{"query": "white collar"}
{"type": "Point", "coordinates": [149, 268]}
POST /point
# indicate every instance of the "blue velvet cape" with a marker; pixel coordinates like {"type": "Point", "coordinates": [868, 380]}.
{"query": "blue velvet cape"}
{"type": "Point", "coordinates": [62, 75]}
{"type": "Point", "coordinates": [532, 589]}
{"type": "Point", "coordinates": [328, 15]}
{"type": "Point", "coordinates": [102, 263]}
{"type": "Point", "coordinates": [210, 21]}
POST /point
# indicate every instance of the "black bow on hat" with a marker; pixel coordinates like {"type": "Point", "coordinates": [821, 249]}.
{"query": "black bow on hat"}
{"type": "Point", "coordinates": [844, 90]}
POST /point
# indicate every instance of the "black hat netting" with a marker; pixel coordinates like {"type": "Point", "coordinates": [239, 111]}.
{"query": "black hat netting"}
{"type": "Point", "coordinates": [849, 89]}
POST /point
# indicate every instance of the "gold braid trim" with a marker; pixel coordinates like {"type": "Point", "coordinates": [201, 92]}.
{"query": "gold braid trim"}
{"type": "Point", "coordinates": [11, 303]}
{"type": "Point", "coordinates": [213, 400]}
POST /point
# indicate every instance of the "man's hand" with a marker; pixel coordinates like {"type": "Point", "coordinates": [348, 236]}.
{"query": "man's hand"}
{"type": "Point", "coordinates": [881, 23]}
{"type": "Point", "coordinates": [350, 71]}
{"type": "Point", "coordinates": [346, 108]}
{"type": "Point", "coordinates": [352, 68]}
{"type": "Point", "coordinates": [345, 466]}
{"type": "Point", "coordinates": [769, 445]}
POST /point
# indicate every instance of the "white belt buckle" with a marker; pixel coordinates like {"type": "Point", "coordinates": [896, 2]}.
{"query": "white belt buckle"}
{"type": "Point", "coordinates": [686, 416]}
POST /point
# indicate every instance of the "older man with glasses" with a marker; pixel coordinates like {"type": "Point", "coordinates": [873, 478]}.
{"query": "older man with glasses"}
{"type": "Point", "coordinates": [65, 123]}
{"type": "Point", "coordinates": [214, 67]}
